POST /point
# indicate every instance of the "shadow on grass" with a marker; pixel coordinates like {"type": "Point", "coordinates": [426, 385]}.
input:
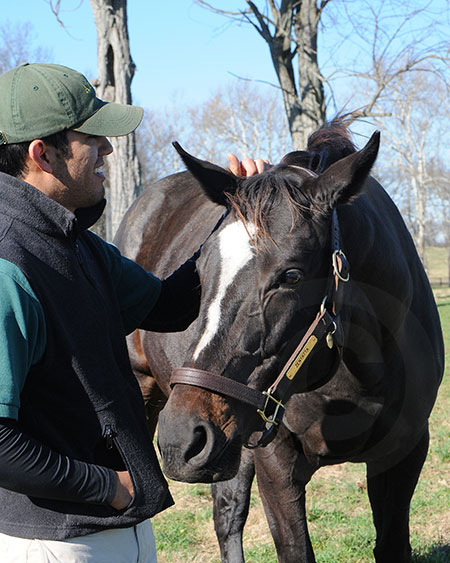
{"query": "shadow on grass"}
{"type": "Point", "coordinates": [436, 554]}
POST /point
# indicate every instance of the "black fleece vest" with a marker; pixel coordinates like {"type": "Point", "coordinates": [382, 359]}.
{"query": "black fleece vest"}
{"type": "Point", "coordinates": [82, 399]}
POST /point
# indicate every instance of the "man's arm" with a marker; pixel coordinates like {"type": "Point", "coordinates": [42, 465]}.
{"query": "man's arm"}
{"type": "Point", "coordinates": [30, 468]}
{"type": "Point", "coordinates": [173, 303]}
{"type": "Point", "coordinates": [179, 301]}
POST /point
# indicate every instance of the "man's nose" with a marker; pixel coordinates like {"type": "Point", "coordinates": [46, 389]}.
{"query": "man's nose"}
{"type": "Point", "coordinates": [105, 146]}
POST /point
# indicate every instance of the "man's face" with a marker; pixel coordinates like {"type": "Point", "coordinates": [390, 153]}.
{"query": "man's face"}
{"type": "Point", "coordinates": [78, 175]}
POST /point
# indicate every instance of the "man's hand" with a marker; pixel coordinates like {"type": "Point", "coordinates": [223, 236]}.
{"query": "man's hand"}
{"type": "Point", "coordinates": [248, 167]}
{"type": "Point", "coordinates": [124, 491]}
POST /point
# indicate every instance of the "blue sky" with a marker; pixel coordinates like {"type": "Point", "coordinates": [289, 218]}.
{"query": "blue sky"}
{"type": "Point", "coordinates": [177, 46]}
{"type": "Point", "coordinates": [182, 51]}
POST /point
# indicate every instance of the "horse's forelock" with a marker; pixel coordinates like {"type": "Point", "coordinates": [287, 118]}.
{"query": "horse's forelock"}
{"type": "Point", "coordinates": [256, 196]}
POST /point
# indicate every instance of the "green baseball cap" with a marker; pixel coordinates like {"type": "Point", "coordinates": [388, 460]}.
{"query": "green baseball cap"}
{"type": "Point", "coordinates": [41, 99]}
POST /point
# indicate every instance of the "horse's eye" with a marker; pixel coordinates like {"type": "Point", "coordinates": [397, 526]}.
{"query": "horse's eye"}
{"type": "Point", "coordinates": [291, 277]}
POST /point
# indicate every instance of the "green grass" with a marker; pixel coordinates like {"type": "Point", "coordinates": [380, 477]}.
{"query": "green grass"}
{"type": "Point", "coordinates": [437, 262]}
{"type": "Point", "coordinates": [339, 516]}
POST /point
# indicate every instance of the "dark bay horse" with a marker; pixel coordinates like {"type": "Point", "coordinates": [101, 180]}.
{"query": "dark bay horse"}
{"type": "Point", "coordinates": [318, 336]}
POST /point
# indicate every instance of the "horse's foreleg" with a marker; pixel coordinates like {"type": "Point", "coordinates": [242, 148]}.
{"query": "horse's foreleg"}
{"type": "Point", "coordinates": [282, 473]}
{"type": "Point", "coordinates": [390, 492]}
{"type": "Point", "coordinates": [231, 500]}
{"type": "Point", "coordinates": [154, 400]}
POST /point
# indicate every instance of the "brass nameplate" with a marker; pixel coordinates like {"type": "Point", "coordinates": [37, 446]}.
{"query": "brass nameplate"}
{"type": "Point", "coordinates": [302, 355]}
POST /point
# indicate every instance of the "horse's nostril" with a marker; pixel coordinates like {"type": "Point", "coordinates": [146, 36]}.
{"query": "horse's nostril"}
{"type": "Point", "coordinates": [197, 445]}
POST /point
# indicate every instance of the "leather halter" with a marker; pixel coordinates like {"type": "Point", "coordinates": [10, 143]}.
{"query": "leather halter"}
{"type": "Point", "coordinates": [270, 404]}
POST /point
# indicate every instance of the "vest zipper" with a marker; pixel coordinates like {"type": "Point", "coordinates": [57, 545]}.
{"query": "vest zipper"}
{"type": "Point", "coordinates": [84, 269]}
{"type": "Point", "coordinates": [108, 434]}
{"type": "Point", "coordinates": [81, 262]}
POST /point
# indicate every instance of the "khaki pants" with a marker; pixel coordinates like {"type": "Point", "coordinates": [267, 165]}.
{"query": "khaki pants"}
{"type": "Point", "coordinates": [124, 545]}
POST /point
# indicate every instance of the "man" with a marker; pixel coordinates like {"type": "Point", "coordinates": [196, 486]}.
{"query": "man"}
{"type": "Point", "coordinates": [79, 478]}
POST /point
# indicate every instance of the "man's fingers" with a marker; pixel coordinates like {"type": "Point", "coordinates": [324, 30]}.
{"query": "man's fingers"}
{"type": "Point", "coordinates": [235, 165]}
{"type": "Point", "coordinates": [249, 167]}
{"type": "Point", "coordinates": [262, 165]}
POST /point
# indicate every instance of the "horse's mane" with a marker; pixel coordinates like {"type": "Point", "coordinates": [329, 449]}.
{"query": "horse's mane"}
{"type": "Point", "coordinates": [256, 195]}
{"type": "Point", "coordinates": [332, 142]}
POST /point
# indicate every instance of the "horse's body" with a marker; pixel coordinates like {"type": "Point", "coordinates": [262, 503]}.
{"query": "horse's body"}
{"type": "Point", "coordinates": [364, 398]}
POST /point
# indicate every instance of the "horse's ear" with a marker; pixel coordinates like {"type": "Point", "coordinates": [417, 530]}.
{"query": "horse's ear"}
{"type": "Point", "coordinates": [343, 180]}
{"type": "Point", "coordinates": [215, 180]}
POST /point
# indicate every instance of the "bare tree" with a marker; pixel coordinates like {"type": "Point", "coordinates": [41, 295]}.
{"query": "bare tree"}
{"type": "Point", "coordinates": [245, 118]}
{"type": "Point", "coordinates": [441, 203]}
{"type": "Point", "coordinates": [384, 43]}
{"type": "Point", "coordinates": [416, 133]}
{"type": "Point", "coordinates": [115, 73]}
{"type": "Point", "coordinates": [290, 29]}
{"type": "Point", "coordinates": [159, 129]}
{"type": "Point", "coordinates": [240, 118]}
{"type": "Point", "coordinates": [17, 46]}
{"type": "Point", "coordinates": [376, 44]}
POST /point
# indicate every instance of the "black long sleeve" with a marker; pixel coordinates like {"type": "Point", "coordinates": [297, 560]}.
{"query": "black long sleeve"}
{"type": "Point", "coordinates": [30, 468]}
{"type": "Point", "coordinates": [179, 301]}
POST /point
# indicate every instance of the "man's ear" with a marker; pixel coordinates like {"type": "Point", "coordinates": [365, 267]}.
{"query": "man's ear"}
{"type": "Point", "coordinates": [39, 154]}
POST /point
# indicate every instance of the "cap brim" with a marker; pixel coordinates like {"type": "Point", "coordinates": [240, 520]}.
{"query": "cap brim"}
{"type": "Point", "coordinates": [112, 120]}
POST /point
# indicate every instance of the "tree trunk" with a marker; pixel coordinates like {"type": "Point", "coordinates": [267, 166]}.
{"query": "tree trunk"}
{"type": "Point", "coordinates": [421, 207]}
{"type": "Point", "coordinates": [311, 92]}
{"type": "Point", "coordinates": [295, 23]}
{"type": "Point", "coordinates": [115, 73]}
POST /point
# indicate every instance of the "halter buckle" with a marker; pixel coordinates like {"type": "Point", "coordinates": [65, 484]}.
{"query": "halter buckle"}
{"type": "Point", "coordinates": [336, 269]}
{"type": "Point", "coordinates": [276, 416]}
{"type": "Point", "coordinates": [269, 433]}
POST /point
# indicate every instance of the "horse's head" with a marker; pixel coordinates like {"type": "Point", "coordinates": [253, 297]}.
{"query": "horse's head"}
{"type": "Point", "coordinates": [265, 274]}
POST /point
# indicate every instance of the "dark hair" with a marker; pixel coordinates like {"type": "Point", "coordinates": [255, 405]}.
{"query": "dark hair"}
{"type": "Point", "coordinates": [13, 156]}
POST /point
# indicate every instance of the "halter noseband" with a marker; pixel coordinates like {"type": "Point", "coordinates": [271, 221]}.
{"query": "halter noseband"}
{"type": "Point", "coordinates": [270, 404]}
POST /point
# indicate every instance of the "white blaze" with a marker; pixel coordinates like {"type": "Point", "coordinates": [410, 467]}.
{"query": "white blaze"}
{"type": "Point", "coordinates": [235, 251]}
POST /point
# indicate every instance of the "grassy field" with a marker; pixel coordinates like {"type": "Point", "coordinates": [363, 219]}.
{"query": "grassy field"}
{"type": "Point", "coordinates": [437, 262]}
{"type": "Point", "coordinates": [339, 516]}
